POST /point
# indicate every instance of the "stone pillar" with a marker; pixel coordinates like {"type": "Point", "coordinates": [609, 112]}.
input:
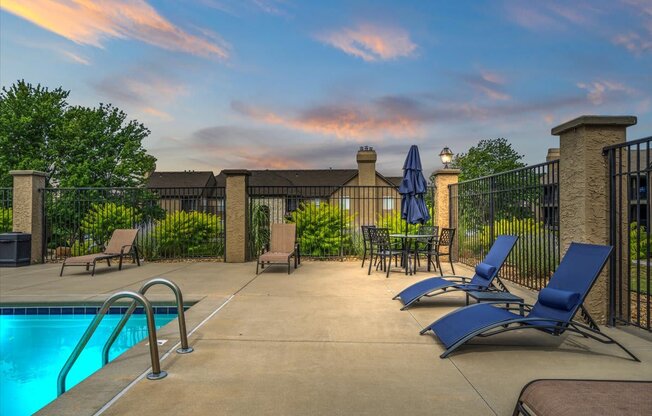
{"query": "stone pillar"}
{"type": "Point", "coordinates": [441, 179]}
{"type": "Point", "coordinates": [237, 216]}
{"type": "Point", "coordinates": [28, 208]}
{"type": "Point", "coordinates": [584, 190]}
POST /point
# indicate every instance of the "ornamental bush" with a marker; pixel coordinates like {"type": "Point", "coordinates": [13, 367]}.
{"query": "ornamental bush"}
{"type": "Point", "coordinates": [638, 250]}
{"type": "Point", "coordinates": [6, 219]}
{"type": "Point", "coordinates": [323, 229]}
{"type": "Point", "coordinates": [392, 220]}
{"type": "Point", "coordinates": [102, 219]}
{"type": "Point", "coordinates": [194, 234]}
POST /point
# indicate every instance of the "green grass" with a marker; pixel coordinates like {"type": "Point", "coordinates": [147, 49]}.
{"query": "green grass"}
{"type": "Point", "coordinates": [642, 278]}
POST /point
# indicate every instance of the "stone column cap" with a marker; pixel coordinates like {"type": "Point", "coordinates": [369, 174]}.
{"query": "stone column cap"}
{"type": "Point", "coordinates": [236, 172]}
{"type": "Point", "coordinates": [625, 121]}
{"type": "Point", "coordinates": [445, 171]}
{"type": "Point", "coordinates": [27, 173]}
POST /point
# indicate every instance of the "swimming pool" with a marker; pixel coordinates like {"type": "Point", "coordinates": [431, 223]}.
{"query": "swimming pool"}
{"type": "Point", "coordinates": [35, 342]}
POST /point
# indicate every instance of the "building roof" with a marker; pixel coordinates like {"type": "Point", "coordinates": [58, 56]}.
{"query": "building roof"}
{"type": "Point", "coordinates": [298, 177]}
{"type": "Point", "coordinates": [182, 184]}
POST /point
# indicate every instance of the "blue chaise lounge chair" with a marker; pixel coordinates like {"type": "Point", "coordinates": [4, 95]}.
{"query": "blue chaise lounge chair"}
{"type": "Point", "coordinates": [485, 273]}
{"type": "Point", "coordinates": [552, 313]}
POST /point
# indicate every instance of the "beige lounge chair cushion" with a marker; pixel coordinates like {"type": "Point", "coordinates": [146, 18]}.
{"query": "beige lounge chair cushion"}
{"type": "Point", "coordinates": [283, 238]}
{"type": "Point", "coordinates": [588, 398]}
{"type": "Point", "coordinates": [88, 258]}
{"type": "Point", "coordinates": [274, 257]}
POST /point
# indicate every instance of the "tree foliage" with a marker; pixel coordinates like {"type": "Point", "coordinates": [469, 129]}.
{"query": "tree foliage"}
{"type": "Point", "coordinates": [490, 156]}
{"type": "Point", "coordinates": [77, 146]}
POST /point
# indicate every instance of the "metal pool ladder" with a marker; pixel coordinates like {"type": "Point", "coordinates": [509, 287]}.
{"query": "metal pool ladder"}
{"type": "Point", "coordinates": [137, 297]}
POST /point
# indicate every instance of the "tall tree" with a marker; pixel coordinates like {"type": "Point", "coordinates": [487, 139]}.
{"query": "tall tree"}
{"type": "Point", "coordinates": [30, 118]}
{"type": "Point", "coordinates": [76, 146]}
{"type": "Point", "coordinates": [488, 157]}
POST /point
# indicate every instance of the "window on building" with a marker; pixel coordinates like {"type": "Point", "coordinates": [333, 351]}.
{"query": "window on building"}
{"type": "Point", "coordinates": [388, 203]}
{"type": "Point", "coordinates": [346, 202]}
{"type": "Point", "coordinates": [189, 204]}
{"type": "Point", "coordinates": [317, 202]}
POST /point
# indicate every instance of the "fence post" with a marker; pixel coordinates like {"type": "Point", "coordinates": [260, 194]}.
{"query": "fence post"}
{"type": "Point", "coordinates": [237, 216]}
{"type": "Point", "coordinates": [584, 190]}
{"type": "Point", "coordinates": [28, 208]}
{"type": "Point", "coordinates": [441, 179]}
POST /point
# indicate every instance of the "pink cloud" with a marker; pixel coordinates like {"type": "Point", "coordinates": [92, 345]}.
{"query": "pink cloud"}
{"type": "Point", "coordinates": [347, 122]}
{"type": "Point", "coordinates": [370, 42]}
{"type": "Point", "coordinates": [598, 91]}
{"type": "Point", "coordinates": [91, 22]}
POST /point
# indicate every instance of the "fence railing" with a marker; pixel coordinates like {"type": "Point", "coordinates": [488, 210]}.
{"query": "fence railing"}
{"type": "Point", "coordinates": [523, 202]}
{"type": "Point", "coordinates": [630, 167]}
{"type": "Point", "coordinates": [328, 218]}
{"type": "Point", "coordinates": [6, 209]}
{"type": "Point", "coordinates": [173, 223]}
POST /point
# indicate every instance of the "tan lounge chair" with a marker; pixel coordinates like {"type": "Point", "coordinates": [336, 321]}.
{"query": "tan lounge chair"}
{"type": "Point", "coordinates": [122, 243]}
{"type": "Point", "coordinates": [283, 246]}
{"type": "Point", "coordinates": [585, 398]}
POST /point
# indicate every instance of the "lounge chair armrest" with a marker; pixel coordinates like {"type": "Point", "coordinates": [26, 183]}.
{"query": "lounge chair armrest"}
{"type": "Point", "coordinates": [453, 277]}
{"type": "Point", "coordinates": [122, 249]}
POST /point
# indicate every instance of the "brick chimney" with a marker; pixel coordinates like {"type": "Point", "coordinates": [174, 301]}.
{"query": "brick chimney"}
{"type": "Point", "coordinates": [366, 158]}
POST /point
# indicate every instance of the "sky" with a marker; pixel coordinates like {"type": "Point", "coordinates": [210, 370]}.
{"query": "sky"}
{"type": "Point", "coordinates": [290, 84]}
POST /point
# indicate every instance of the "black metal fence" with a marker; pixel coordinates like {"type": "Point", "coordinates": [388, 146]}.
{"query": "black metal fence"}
{"type": "Point", "coordinates": [328, 218]}
{"type": "Point", "coordinates": [173, 223]}
{"type": "Point", "coordinates": [6, 209]}
{"type": "Point", "coordinates": [630, 167]}
{"type": "Point", "coordinates": [523, 202]}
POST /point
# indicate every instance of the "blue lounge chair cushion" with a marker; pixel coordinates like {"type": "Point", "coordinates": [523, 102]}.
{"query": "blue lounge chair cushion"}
{"type": "Point", "coordinates": [423, 287]}
{"type": "Point", "coordinates": [484, 270]}
{"type": "Point", "coordinates": [558, 299]}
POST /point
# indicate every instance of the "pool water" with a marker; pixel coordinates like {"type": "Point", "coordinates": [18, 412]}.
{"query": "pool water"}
{"type": "Point", "coordinates": [33, 348]}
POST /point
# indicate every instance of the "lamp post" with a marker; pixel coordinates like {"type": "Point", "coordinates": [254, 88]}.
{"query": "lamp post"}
{"type": "Point", "coordinates": [446, 156]}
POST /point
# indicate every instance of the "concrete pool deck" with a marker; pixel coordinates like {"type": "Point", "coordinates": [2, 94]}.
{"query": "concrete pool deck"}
{"type": "Point", "coordinates": [326, 339]}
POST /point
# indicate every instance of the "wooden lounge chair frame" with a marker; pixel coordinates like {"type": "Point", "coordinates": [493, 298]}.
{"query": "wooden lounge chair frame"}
{"type": "Point", "coordinates": [115, 248]}
{"type": "Point", "coordinates": [280, 250]}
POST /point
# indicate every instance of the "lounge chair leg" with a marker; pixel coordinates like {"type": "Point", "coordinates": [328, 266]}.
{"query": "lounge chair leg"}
{"type": "Point", "coordinates": [62, 266]}
{"type": "Point", "coordinates": [93, 272]}
{"type": "Point", "coordinates": [288, 266]}
{"type": "Point", "coordinates": [108, 262]}
{"type": "Point", "coordinates": [257, 264]}
{"type": "Point", "coordinates": [451, 260]}
{"type": "Point", "coordinates": [88, 266]}
{"type": "Point", "coordinates": [120, 263]}
{"type": "Point", "coordinates": [137, 256]}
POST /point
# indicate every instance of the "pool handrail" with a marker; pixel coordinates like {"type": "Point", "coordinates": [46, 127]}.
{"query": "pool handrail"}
{"type": "Point", "coordinates": [156, 373]}
{"type": "Point", "coordinates": [184, 349]}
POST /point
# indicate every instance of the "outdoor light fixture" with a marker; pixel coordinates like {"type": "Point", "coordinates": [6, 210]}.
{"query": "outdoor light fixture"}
{"type": "Point", "coordinates": [446, 156]}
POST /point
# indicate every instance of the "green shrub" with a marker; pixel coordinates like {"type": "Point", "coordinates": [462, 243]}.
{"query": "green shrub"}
{"type": "Point", "coordinates": [102, 219]}
{"type": "Point", "coordinates": [638, 251]}
{"type": "Point", "coordinates": [392, 220]}
{"type": "Point", "coordinates": [260, 231]}
{"type": "Point", "coordinates": [83, 248]}
{"type": "Point", "coordinates": [6, 219]}
{"type": "Point", "coordinates": [190, 233]}
{"type": "Point", "coordinates": [322, 229]}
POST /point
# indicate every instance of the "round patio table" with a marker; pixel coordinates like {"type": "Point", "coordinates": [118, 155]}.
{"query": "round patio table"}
{"type": "Point", "coordinates": [407, 240]}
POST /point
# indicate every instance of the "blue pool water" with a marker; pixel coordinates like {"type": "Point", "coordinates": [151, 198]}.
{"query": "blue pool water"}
{"type": "Point", "coordinates": [33, 348]}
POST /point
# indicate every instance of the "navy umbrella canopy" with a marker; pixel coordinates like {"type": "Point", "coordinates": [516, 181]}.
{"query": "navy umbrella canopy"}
{"type": "Point", "coordinates": [413, 188]}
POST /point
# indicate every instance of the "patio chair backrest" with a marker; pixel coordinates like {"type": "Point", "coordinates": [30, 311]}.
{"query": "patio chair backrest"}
{"type": "Point", "coordinates": [577, 273]}
{"type": "Point", "coordinates": [119, 239]}
{"type": "Point", "coordinates": [284, 238]}
{"type": "Point", "coordinates": [429, 230]}
{"type": "Point", "coordinates": [446, 237]}
{"type": "Point", "coordinates": [380, 238]}
{"type": "Point", "coordinates": [496, 256]}
{"type": "Point", "coordinates": [366, 238]}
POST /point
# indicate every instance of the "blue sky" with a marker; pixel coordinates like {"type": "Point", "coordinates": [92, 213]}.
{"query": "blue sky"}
{"type": "Point", "coordinates": [302, 84]}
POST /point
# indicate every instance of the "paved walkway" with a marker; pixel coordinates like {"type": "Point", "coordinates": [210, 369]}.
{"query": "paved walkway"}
{"type": "Point", "coordinates": [325, 340]}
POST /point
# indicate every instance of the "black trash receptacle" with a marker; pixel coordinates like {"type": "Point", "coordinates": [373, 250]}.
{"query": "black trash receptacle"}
{"type": "Point", "coordinates": [15, 249]}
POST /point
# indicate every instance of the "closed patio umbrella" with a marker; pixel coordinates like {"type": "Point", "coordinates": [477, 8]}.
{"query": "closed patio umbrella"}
{"type": "Point", "coordinates": [412, 189]}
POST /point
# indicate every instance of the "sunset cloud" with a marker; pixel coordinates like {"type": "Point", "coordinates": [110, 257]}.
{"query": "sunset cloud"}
{"type": "Point", "coordinates": [91, 22]}
{"type": "Point", "coordinates": [75, 58]}
{"type": "Point", "coordinates": [489, 83]}
{"type": "Point", "coordinates": [347, 122]}
{"type": "Point", "coordinates": [371, 42]}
